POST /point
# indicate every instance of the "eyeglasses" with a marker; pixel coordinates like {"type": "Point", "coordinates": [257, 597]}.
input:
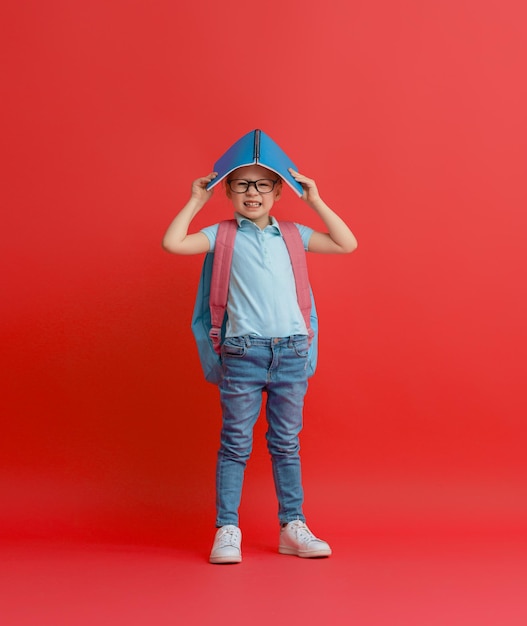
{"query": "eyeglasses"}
{"type": "Point", "coordinates": [264, 185]}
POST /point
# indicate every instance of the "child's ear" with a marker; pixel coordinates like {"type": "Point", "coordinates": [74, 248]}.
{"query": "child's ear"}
{"type": "Point", "coordinates": [278, 191]}
{"type": "Point", "coordinates": [228, 192]}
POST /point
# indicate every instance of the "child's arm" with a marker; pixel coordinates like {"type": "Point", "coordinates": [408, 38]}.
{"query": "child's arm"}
{"type": "Point", "coordinates": [339, 239]}
{"type": "Point", "coordinates": [177, 239]}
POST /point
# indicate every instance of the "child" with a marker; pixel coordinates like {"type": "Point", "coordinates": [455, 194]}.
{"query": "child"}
{"type": "Point", "coordinates": [265, 347]}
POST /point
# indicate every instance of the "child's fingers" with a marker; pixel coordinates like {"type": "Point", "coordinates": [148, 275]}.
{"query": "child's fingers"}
{"type": "Point", "coordinates": [295, 174]}
{"type": "Point", "coordinates": [301, 178]}
{"type": "Point", "coordinates": [205, 180]}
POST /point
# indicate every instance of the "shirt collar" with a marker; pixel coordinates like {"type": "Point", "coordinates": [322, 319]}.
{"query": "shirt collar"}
{"type": "Point", "coordinates": [241, 220]}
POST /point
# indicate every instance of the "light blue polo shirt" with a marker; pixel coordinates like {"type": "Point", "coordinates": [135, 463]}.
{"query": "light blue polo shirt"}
{"type": "Point", "coordinates": [262, 293]}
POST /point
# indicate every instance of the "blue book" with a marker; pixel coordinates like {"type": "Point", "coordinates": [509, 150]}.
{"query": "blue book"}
{"type": "Point", "coordinates": [256, 148]}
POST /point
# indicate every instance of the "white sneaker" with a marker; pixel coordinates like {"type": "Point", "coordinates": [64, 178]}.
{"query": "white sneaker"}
{"type": "Point", "coordinates": [298, 540]}
{"type": "Point", "coordinates": [227, 545]}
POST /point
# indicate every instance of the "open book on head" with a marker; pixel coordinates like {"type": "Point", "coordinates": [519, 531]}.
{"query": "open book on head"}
{"type": "Point", "coordinates": [256, 148]}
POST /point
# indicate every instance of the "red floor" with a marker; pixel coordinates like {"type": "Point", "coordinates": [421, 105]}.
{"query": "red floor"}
{"type": "Point", "coordinates": [372, 579]}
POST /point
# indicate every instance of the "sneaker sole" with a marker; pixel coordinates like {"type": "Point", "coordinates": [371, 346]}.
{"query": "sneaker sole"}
{"type": "Point", "coordinates": [225, 560]}
{"type": "Point", "coordinates": [315, 554]}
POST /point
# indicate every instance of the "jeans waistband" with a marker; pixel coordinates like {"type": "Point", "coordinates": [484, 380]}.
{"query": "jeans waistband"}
{"type": "Point", "coordinates": [254, 340]}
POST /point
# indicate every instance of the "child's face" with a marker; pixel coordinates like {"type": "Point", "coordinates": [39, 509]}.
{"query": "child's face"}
{"type": "Point", "coordinates": [253, 204]}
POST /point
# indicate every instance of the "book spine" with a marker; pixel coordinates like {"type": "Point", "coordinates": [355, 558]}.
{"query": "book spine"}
{"type": "Point", "coordinates": [257, 145]}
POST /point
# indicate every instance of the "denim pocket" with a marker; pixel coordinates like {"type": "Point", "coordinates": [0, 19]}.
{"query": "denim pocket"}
{"type": "Point", "coordinates": [301, 347]}
{"type": "Point", "coordinates": [233, 348]}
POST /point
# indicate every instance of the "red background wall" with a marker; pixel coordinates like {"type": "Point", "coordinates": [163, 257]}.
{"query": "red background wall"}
{"type": "Point", "coordinates": [410, 116]}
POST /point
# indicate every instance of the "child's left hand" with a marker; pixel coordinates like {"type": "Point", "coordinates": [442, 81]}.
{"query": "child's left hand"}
{"type": "Point", "coordinates": [310, 194]}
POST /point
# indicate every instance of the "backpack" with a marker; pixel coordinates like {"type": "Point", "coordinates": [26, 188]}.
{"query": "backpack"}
{"type": "Point", "coordinates": [209, 317]}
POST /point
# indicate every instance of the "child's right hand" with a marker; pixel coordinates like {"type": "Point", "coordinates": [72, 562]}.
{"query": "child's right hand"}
{"type": "Point", "coordinates": [199, 188]}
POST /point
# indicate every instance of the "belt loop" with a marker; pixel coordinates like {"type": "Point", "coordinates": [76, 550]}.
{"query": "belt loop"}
{"type": "Point", "coordinates": [247, 341]}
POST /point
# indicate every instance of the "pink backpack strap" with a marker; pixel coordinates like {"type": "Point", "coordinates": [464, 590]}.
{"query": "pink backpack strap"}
{"type": "Point", "coordinates": [297, 253]}
{"type": "Point", "coordinates": [219, 284]}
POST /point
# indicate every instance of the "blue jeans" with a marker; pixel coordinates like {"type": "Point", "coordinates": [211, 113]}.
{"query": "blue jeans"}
{"type": "Point", "coordinates": [252, 365]}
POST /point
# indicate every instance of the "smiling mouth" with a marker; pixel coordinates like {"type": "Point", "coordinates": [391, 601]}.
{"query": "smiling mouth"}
{"type": "Point", "coordinates": [252, 205]}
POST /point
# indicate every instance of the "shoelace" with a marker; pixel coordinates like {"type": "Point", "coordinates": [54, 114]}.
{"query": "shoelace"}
{"type": "Point", "coordinates": [303, 533]}
{"type": "Point", "coordinates": [228, 538]}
